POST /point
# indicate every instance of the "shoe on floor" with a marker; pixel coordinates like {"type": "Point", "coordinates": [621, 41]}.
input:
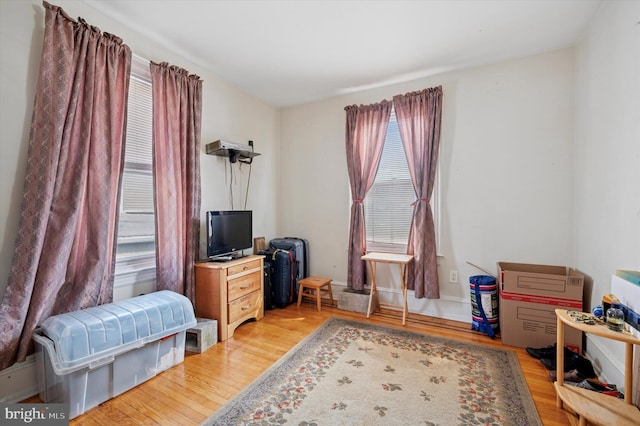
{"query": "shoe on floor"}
{"type": "Point", "coordinates": [572, 361]}
{"type": "Point", "coordinates": [584, 367]}
{"type": "Point", "coordinates": [539, 353]}
{"type": "Point", "coordinates": [547, 353]}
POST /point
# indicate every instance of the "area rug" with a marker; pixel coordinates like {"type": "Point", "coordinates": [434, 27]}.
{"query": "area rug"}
{"type": "Point", "coordinates": [353, 373]}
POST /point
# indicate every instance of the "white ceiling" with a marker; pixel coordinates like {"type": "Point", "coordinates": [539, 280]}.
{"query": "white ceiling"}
{"type": "Point", "coordinates": [292, 52]}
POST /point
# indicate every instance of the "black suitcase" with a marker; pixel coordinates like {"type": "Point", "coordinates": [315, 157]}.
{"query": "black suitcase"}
{"type": "Point", "coordinates": [299, 249]}
{"type": "Point", "coordinates": [283, 283]}
{"type": "Point", "coordinates": [268, 273]}
{"type": "Point", "coordinates": [304, 266]}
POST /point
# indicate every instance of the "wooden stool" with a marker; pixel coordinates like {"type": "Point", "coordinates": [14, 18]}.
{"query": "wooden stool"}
{"type": "Point", "coordinates": [315, 288]}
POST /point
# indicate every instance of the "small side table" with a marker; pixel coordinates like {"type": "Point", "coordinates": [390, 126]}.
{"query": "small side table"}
{"type": "Point", "coordinates": [402, 260]}
{"type": "Point", "coordinates": [315, 287]}
{"type": "Point", "coordinates": [591, 407]}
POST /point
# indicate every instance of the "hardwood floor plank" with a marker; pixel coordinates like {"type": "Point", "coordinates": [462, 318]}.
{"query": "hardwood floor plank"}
{"type": "Point", "coordinates": [188, 393]}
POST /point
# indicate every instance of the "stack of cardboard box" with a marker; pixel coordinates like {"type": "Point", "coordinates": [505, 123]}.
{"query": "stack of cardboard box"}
{"type": "Point", "coordinates": [529, 296]}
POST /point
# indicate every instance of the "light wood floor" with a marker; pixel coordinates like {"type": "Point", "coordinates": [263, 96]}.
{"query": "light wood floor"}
{"type": "Point", "coordinates": [188, 393]}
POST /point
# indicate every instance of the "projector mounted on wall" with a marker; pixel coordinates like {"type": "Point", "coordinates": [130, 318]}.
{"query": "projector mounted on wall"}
{"type": "Point", "coordinates": [235, 151]}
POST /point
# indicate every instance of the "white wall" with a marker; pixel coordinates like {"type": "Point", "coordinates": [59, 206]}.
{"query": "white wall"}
{"type": "Point", "coordinates": [506, 173]}
{"type": "Point", "coordinates": [227, 113]}
{"type": "Point", "coordinates": [607, 156]}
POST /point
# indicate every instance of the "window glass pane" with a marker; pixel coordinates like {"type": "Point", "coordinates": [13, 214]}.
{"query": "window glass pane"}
{"type": "Point", "coordinates": [137, 194]}
{"type": "Point", "coordinates": [136, 226]}
{"type": "Point", "coordinates": [388, 205]}
{"type": "Point", "coordinates": [139, 122]}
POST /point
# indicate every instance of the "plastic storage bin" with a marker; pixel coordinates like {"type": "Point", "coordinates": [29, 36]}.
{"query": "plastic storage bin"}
{"type": "Point", "coordinates": [90, 356]}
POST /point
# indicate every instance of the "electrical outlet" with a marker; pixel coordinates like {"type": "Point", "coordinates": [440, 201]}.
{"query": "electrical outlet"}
{"type": "Point", "coordinates": [453, 276]}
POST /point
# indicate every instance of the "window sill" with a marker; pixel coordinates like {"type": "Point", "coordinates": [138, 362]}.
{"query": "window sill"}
{"type": "Point", "coordinates": [134, 267]}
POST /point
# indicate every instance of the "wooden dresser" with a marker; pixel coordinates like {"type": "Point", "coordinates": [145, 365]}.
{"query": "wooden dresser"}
{"type": "Point", "coordinates": [230, 292]}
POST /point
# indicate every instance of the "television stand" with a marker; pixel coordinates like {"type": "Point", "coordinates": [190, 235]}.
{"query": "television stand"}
{"type": "Point", "coordinates": [230, 292]}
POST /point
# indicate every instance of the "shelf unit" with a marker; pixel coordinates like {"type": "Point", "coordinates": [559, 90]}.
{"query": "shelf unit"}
{"type": "Point", "coordinates": [592, 407]}
{"type": "Point", "coordinates": [233, 151]}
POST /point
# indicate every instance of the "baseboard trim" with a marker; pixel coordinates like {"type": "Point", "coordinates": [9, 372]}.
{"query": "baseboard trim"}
{"type": "Point", "coordinates": [19, 381]}
{"type": "Point", "coordinates": [608, 359]}
{"type": "Point", "coordinates": [447, 307]}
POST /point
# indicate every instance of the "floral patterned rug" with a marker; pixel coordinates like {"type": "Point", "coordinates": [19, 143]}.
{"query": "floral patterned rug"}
{"type": "Point", "coordinates": [353, 373]}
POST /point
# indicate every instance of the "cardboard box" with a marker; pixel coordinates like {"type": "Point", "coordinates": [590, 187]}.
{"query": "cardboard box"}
{"type": "Point", "coordinates": [541, 280]}
{"type": "Point", "coordinates": [529, 321]}
{"type": "Point", "coordinates": [529, 296]}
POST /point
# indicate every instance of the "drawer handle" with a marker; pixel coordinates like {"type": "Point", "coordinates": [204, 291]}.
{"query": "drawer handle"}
{"type": "Point", "coordinates": [244, 308]}
{"type": "Point", "coordinates": [246, 286]}
{"type": "Point", "coordinates": [245, 268]}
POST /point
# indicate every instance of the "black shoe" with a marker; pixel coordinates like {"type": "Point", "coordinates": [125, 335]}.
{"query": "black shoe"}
{"type": "Point", "coordinates": [570, 361]}
{"type": "Point", "coordinates": [585, 368]}
{"type": "Point", "coordinates": [550, 363]}
{"type": "Point", "coordinates": [539, 353]}
{"type": "Point", "coordinates": [549, 352]}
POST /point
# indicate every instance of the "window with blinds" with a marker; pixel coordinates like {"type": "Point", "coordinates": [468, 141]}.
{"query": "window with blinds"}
{"type": "Point", "coordinates": [137, 194]}
{"type": "Point", "coordinates": [136, 227]}
{"type": "Point", "coordinates": [389, 203]}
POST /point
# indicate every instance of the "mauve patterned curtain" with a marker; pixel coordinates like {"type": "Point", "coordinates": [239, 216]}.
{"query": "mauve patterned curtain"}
{"type": "Point", "coordinates": [65, 251]}
{"type": "Point", "coordinates": [366, 130]}
{"type": "Point", "coordinates": [177, 117]}
{"type": "Point", "coordinates": [419, 116]}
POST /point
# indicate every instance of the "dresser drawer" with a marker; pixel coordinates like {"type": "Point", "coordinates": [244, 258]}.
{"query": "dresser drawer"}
{"type": "Point", "coordinates": [245, 306]}
{"type": "Point", "coordinates": [238, 269]}
{"type": "Point", "coordinates": [238, 287]}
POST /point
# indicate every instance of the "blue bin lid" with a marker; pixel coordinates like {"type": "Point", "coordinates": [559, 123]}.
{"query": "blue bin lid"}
{"type": "Point", "coordinates": [84, 336]}
{"type": "Point", "coordinates": [482, 280]}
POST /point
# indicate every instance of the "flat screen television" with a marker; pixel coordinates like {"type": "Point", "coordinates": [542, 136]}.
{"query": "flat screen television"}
{"type": "Point", "coordinates": [228, 232]}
